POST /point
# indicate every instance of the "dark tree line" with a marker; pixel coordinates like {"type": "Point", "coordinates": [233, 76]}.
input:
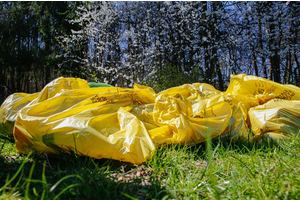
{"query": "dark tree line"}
{"type": "Point", "coordinates": [28, 43]}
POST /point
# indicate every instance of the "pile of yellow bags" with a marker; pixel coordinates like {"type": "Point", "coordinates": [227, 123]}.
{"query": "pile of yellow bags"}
{"type": "Point", "coordinates": [128, 123]}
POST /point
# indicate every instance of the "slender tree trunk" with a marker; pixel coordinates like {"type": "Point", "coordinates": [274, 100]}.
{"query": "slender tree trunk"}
{"type": "Point", "coordinates": [298, 66]}
{"type": "Point", "coordinates": [261, 40]}
{"type": "Point", "coordinates": [159, 37]}
{"type": "Point", "coordinates": [207, 27]}
{"type": "Point", "coordinates": [274, 59]}
{"type": "Point", "coordinates": [47, 65]}
{"type": "Point", "coordinates": [3, 83]}
{"type": "Point", "coordinates": [19, 70]}
{"type": "Point", "coordinates": [251, 47]}
{"type": "Point", "coordinates": [12, 81]}
{"type": "Point", "coordinates": [287, 71]}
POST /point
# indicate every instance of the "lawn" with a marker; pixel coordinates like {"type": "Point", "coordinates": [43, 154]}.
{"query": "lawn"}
{"type": "Point", "coordinates": [217, 170]}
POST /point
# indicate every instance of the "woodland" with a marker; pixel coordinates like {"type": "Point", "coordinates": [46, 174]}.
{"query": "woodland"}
{"type": "Point", "coordinates": [159, 44]}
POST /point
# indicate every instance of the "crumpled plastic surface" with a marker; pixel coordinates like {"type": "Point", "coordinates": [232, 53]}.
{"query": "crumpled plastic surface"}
{"type": "Point", "coordinates": [275, 119]}
{"type": "Point", "coordinates": [10, 108]}
{"type": "Point", "coordinates": [127, 124]}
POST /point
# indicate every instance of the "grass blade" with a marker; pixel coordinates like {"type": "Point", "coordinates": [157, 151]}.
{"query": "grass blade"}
{"type": "Point", "coordinates": [28, 181]}
{"type": "Point", "coordinates": [65, 189]}
{"type": "Point", "coordinates": [64, 178]}
{"type": "Point", "coordinates": [16, 174]}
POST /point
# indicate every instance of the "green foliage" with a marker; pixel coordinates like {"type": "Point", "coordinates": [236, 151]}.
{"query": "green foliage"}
{"type": "Point", "coordinates": [171, 76]}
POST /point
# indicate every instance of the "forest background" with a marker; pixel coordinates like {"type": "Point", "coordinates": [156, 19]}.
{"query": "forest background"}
{"type": "Point", "coordinates": [159, 44]}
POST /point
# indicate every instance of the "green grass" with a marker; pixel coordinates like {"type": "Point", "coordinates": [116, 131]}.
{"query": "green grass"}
{"type": "Point", "coordinates": [204, 171]}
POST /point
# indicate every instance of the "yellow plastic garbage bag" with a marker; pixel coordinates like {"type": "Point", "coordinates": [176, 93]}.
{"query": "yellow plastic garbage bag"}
{"type": "Point", "coordinates": [255, 91]}
{"type": "Point", "coordinates": [191, 113]}
{"type": "Point", "coordinates": [9, 110]}
{"type": "Point", "coordinates": [91, 121]}
{"type": "Point", "coordinates": [59, 85]}
{"type": "Point", "coordinates": [11, 106]}
{"type": "Point", "coordinates": [275, 119]}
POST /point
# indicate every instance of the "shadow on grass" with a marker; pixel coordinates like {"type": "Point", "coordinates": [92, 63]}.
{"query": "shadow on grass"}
{"type": "Point", "coordinates": [73, 177]}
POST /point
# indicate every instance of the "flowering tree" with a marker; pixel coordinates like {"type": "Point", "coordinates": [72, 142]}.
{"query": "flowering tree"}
{"type": "Point", "coordinates": [126, 42]}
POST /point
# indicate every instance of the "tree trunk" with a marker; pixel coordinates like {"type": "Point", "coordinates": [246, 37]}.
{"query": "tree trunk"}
{"type": "Point", "coordinates": [297, 64]}
{"type": "Point", "coordinates": [274, 59]}
{"type": "Point", "coordinates": [207, 27]}
{"type": "Point", "coordinates": [287, 71]}
{"type": "Point", "coordinates": [251, 47]}
{"type": "Point", "coordinates": [260, 12]}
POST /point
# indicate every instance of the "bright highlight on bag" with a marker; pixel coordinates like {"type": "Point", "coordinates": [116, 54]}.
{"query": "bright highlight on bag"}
{"type": "Point", "coordinates": [126, 124]}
